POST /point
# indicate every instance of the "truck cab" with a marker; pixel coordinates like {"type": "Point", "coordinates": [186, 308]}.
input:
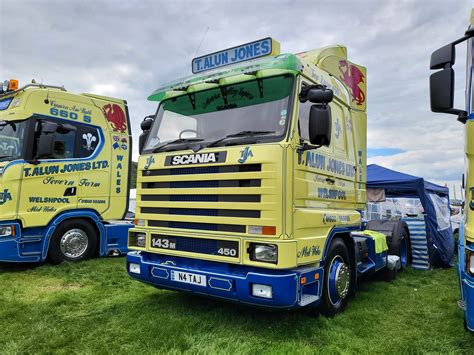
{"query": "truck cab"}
{"type": "Point", "coordinates": [442, 100]}
{"type": "Point", "coordinates": [252, 176]}
{"type": "Point", "coordinates": [64, 174]}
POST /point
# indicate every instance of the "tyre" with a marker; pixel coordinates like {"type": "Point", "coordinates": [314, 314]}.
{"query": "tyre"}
{"type": "Point", "coordinates": [398, 239]}
{"type": "Point", "coordinates": [400, 244]}
{"type": "Point", "coordinates": [73, 240]}
{"type": "Point", "coordinates": [338, 280]}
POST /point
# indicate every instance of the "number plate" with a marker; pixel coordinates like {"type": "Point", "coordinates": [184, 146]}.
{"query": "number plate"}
{"type": "Point", "coordinates": [188, 278]}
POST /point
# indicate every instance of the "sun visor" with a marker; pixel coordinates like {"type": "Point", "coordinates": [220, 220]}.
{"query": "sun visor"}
{"type": "Point", "coordinates": [15, 115]}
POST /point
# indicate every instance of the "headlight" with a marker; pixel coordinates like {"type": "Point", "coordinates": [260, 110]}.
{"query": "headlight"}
{"type": "Point", "coordinates": [7, 231]}
{"type": "Point", "coordinates": [470, 262]}
{"type": "Point", "coordinates": [137, 239]}
{"type": "Point", "coordinates": [267, 253]}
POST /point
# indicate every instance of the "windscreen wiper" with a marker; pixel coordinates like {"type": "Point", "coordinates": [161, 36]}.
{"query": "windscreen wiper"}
{"type": "Point", "coordinates": [179, 140]}
{"type": "Point", "coordinates": [239, 134]}
{"type": "Point", "coordinates": [6, 156]}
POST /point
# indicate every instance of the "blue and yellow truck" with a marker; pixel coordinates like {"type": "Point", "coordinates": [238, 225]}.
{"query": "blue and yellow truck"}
{"type": "Point", "coordinates": [252, 177]}
{"type": "Point", "coordinates": [442, 100]}
{"type": "Point", "coordinates": [64, 174]}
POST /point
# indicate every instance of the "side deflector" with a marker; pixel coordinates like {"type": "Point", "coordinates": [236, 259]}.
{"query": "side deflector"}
{"type": "Point", "coordinates": [333, 59]}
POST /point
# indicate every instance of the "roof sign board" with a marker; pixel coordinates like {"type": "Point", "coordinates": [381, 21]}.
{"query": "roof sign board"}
{"type": "Point", "coordinates": [261, 48]}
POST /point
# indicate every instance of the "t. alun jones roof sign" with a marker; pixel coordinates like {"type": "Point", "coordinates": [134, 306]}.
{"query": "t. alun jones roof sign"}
{"type": "Point", "coordinates": [252, 50]}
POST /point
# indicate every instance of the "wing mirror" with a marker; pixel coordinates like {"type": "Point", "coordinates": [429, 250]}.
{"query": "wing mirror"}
{"type": "Point", "coordinates": [320, 124]}
{"type": "Point", "coordinates": [442, 82]}
{"type": "Point", "coordinates": [46, 144]}
{"type": "Point", "coordinates": [320, 95]}
{"type": "Point", "coordinates": [146, 125]}
{"type": "Point", "coordinates": [320, 121]}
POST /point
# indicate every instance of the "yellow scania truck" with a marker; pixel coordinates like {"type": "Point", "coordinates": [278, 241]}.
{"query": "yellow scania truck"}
{"type": "Point", "coordinates": [442, 100]}
{"type": "Point", "coordinates": [64, 174]}
{"type": "Point", "coordinates": [251, 180]}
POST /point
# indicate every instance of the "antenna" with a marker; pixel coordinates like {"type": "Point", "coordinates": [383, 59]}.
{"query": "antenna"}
{"type": "Point", "coordinates": [200, 44]}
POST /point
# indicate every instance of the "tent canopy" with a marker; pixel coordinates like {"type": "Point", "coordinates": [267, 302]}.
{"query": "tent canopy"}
{"type": "Point", "coordinates": [435, 201]}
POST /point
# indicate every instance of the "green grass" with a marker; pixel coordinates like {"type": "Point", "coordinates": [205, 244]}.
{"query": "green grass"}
{"type": "Point", "coordinates": [94, 307]}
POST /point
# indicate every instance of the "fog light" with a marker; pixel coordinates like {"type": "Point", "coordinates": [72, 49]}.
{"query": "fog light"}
{"type": "Point", "coordinates": [267, 253]}
{"type": "Point", "coordinates": [134, 268]}
{"type": "Point", "coordinates": [263, 291]}
{"type": "Point", "coordinates": [7, 231]}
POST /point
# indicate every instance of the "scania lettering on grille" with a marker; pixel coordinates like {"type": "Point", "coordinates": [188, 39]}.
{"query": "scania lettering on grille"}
{"type": "Point", "coordinates": [202, 158]}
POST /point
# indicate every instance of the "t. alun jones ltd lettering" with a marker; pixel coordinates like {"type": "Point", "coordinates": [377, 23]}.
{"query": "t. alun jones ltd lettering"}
{"type": "Point", "coordinates": [67, 168]}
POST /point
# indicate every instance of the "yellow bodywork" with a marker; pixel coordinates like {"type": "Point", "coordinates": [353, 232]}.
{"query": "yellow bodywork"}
{"type": "Point", "coordinates": [304, 194]}
{"type": "Point", "coordinates": [469, 151]}
{"type": "Point", "coordinates": [34, 192]}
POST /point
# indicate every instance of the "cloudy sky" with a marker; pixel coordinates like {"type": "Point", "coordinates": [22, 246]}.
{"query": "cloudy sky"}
{"type": "Point", "coordinates": [127, 48]}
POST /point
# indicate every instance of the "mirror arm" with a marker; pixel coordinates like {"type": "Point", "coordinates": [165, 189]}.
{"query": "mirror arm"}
{"type": "Point", "coordinates": [305, 146]}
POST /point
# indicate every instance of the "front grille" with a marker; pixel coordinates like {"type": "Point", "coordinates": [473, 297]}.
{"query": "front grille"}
{"type": "Point", "coordinates": [202, 212]}
{"type": "Point", "coordinates": [201, 184]}
{"type": "Point", "coordinates": [203, 198]}
{"type": "Point", "coordinates": [222, 198]}
{"type": "Point", "coordinates": [199, 226]}
{"type": "Point", "coordinates": [204, 170]}
{"type": "Point", "coordinates": [195, 245]}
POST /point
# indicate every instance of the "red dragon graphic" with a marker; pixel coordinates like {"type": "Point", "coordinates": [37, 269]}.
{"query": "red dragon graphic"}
{"type": "Point", "coordinates": [115, 115]}
{"type": "Point", "coordinates": [352, 77]}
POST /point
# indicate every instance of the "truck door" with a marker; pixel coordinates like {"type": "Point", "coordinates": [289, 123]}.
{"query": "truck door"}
{"type": "Point", "coordinates": [49, 186]}
{"type": "Point", "coordinates": [313, 180]}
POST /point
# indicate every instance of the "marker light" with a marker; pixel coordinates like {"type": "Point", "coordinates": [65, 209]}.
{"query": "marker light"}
{"type": "Point", "coordinates": [263, 291]}
{"type": "Point", "coordinates": [13, 85]}
{"type": "Point", "coordinates": [263, 230]}
{"type": "Point", "coordinates": [139, 222]}
{"type": "Point", "coordinates": [5, 85]}
{"type": "Point", "coordinates": [267, 253]}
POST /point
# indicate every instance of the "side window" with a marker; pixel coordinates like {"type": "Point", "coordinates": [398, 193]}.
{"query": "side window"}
{"type": "Point", "coordinates": [65, 139]}
{"type": "Point", "coordinates": [87, 142]}
{"type": "Point", "coordinates": [303, 119]}
{"type": "Point", "coordinates": [71, 140]}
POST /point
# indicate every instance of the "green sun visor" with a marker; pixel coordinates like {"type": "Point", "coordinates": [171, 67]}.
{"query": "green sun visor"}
{"type": "Point", "coordinates": [255, 69]}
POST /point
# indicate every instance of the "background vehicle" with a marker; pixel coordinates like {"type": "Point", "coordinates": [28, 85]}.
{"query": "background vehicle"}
{"type": "Point", "coordinates": [442, 100]}
{"type": "Point", "coordinates": [64, 174]}
{"type": "Point", "coordinates": [251, 178]}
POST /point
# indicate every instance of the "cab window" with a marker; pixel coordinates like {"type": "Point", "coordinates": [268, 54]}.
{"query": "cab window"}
{"type": "Point", "coordinates": [71, 139]}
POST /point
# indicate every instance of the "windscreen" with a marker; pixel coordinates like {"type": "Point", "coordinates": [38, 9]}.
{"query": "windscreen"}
{"type": "Point", "coordinates": [257, 105]}
{"type": "Point", "coordinates": [11, 139]}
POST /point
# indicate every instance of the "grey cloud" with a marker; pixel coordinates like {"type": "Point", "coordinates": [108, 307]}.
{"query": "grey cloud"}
{"type": "Point", "coordinates": [128, 48]}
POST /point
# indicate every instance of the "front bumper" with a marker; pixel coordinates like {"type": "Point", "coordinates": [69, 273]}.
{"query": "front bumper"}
{"type": "Point", "coordinates": [290, 288]}
{"type": "Point", "coordinates": [21, 247]}
{"type": "Point", "coordinates": [467, 289]}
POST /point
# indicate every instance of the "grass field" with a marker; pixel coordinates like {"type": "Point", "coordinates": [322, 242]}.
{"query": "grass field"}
{"type": "Point", "coordinates": [94, 307]}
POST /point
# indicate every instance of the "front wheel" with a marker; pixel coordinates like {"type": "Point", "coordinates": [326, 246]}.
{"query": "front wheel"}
{"type": "Point", "coordinates": [74, 240]}
{"type": "Point", "coordinates": [338, 280]}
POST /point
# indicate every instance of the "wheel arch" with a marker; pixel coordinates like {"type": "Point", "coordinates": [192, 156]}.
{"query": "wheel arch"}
{"type": "Point", "coordinates": [88, 215]}
{"type": "Point", "coordinates": [345, 235]}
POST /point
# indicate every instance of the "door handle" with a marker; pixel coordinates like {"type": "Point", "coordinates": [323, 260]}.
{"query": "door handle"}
{"type": "Point", "coordinates": [330, 181]}
{"type": "Point", "coordinates": [70, 191]}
